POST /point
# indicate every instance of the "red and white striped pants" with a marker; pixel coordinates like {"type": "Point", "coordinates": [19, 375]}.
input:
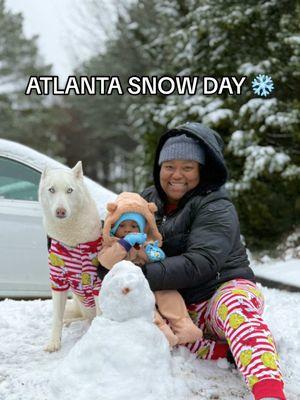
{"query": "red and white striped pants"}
{"type": "Point", "coordinates": [232, 319]}
{"type": "Point", "coordinates": [75, 268]}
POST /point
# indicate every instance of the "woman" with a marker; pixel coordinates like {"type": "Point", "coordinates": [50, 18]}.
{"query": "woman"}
{"type": "Point", "coordinates": [206, 261]}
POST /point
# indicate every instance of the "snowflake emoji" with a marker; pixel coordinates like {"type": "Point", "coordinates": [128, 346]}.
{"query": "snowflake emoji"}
{"type": "Point", "coordinates": [262, 85]}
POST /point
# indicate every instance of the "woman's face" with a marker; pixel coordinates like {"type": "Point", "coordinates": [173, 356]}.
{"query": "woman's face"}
{"type": "Point", "coordinates": [177, 177]}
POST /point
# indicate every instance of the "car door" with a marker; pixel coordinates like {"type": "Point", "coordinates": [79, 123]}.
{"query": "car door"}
{"type": "Point", "coordinates": [23, 243]}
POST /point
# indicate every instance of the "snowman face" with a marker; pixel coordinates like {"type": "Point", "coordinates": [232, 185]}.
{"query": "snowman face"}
{"type": "Point", "coordinates": [125, 294]}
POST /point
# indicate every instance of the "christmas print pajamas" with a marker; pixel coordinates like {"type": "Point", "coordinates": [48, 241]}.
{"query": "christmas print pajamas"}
{"type": "Point", "coordinates": [232, 317]}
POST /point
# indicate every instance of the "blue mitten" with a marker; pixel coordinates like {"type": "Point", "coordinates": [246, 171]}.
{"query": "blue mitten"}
{"type": "Point", "coordinates": [154, 252]}
{"type": "Point", "coordinates": [135, 238]}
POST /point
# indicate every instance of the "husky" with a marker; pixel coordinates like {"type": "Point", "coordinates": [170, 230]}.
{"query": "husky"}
{"type": "Point", "coordinates": [73, 224]}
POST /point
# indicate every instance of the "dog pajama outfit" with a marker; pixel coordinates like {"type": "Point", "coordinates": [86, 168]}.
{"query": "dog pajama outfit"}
{"type": "Point", "coordinates": [75, 268]}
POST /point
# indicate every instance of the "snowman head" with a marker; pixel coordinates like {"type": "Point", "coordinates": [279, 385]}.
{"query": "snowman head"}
{"type": "Point", "coordinates": [125, 294]}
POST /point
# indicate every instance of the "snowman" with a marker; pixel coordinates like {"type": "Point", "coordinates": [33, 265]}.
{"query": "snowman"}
{"type": "Point", "coordinates": [123, 354]}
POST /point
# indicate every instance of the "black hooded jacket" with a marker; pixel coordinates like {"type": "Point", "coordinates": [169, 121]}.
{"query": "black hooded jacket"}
{"type": "Point", "coordinates": [201, 238]}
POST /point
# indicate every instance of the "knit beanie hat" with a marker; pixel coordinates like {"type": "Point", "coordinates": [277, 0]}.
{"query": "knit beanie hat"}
{"type": "Point", "coordinates": [132, 216]}
{"type": "Point", "coordinates": [128, 202]}
{"type": "Point", "coordinates": [182, 147]}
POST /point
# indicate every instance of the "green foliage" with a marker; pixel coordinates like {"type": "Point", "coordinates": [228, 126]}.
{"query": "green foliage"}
{"type": "Point", "coordinates": [268, 209]}
{"type": "Point", "coordinates": [98, 129]}
{"type": "Point", "coordinates": [23, 118]}
{"type": "Point", "coordinates": [218, 38]}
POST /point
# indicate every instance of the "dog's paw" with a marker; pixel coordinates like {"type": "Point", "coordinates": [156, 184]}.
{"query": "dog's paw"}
{"type": "Point", "coordinates": [68, 321]}
{"type": "Point", "coordinates": [53, 345]}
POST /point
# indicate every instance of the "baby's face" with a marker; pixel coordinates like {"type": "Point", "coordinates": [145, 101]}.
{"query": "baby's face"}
{"type": "Point", "coordinates": [126, 227]}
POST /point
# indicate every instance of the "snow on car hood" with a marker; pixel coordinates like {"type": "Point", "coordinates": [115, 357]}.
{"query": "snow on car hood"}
{"type": "Point", "coordinates": [39, 161]}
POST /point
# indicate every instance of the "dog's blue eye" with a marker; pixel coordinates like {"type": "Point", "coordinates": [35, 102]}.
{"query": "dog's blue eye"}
{"type": "Point", "coordinates": [51, 190]}
{"type": "Point", "coordinates": [70, 190]}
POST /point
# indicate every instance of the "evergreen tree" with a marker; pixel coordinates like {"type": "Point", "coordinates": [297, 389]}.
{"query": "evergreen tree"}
{"type": "Point", "coordinates": [97, 129]}
{"type": "Point", "coordinates": [22, 118]}
{"type": "Point", "coordinates": [221, 38]}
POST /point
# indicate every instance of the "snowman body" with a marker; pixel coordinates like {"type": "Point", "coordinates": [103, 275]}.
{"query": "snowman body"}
{"type": "Point", "coordinates": [123, 354]}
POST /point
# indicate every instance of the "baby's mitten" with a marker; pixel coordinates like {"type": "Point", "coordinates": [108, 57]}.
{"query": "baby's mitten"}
{"type": "Point", "coordinates": [135, 238]}
{"type": "Point", "coordinates": [154, 252]}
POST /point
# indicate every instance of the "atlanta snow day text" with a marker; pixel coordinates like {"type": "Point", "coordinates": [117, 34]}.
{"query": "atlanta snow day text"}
{"type": "Point", "coordinates": [144, 85]}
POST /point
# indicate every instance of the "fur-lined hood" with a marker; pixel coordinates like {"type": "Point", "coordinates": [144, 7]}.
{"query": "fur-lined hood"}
{"type": "Point", "coordinates": [131, 202]}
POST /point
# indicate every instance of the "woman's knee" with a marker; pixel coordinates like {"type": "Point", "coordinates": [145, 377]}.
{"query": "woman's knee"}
{"type": "Point", "coordinates": [238, 293]}
{"type": "Point", "coordinates": [234, 303]}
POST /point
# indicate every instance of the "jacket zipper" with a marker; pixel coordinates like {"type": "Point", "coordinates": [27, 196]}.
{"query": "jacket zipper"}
{"type": "Point", "coordinates": [162, 225]}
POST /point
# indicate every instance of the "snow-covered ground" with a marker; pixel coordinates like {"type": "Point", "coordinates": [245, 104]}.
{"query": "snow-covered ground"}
{"type": "Point", "coordinates": [26, 371]}
{"type": "Point", "coordinates": [287, 272]}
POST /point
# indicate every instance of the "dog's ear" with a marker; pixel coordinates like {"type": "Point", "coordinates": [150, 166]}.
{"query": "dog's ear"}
{"type": "Point", "coordinates": [44, 173]}
{"type": "Point", "coordinates": [77, 170]}
{"type": "Point", "coordinates": [111, 207]}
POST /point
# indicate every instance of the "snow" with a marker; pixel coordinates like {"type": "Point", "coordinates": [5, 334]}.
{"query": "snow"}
{"type": "Point", "coordinates": [281, 120]}
{"type": "Point", "coordinates": [217, 116]}
{"type": "Point", "coordinates": [293, 40]}
{"type": "Point", "coordinates": [125, 346]}
{"type": "Point", "coordinates": [211, 112]}
{"type": "Point", "coordinates": [290, 247]}
{"type": "Point", "coordinates": [118, 358]}
{"type": "Point", "coordinates": [287, 272]}
{"type": "Point", "coordinates": [137, 301]}
{"type": "Point", "coordinates": [290, 172]}
{"type": "Point", "coordinates": [39, 161]}
{"type": "Point", "coordinates": [258, 159]}
{"type": "Point", "coordinates": [258, 109]}
{"type": "Point", "coordinates": [249, 68]}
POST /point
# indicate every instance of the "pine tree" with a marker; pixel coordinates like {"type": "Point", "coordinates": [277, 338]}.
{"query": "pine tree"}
{"type": "Point", "coordinates": [221, 38]}
{"type": "Point", "coordinates": [22, 118]}
{"type": "Point", "coordinates": [97, 129]}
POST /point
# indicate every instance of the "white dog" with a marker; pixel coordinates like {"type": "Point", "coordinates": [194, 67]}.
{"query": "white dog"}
{"type": "Point", "coordinates": [72, 222]}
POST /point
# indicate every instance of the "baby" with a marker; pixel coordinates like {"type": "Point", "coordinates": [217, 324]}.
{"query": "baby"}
{"type": "Point", "coordinates": [130, 233]}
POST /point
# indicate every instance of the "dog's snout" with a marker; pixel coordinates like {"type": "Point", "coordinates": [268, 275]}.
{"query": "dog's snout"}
{"type": "Point", "coordinates": [61, 212]}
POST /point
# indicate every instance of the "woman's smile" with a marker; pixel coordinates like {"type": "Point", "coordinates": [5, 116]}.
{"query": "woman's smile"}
{"type": "Point", "coordinates": [177, 177]}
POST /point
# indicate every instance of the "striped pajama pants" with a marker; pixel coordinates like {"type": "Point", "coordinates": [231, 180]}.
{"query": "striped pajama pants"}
{"type": "Point", "coordinates": [231, 319]}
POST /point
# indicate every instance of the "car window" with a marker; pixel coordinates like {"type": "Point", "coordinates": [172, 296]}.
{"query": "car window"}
{"type": "Point", "coordinates": [18, 181]}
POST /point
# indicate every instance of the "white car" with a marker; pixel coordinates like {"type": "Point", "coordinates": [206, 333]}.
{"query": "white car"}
{"type": "Point", "coordinates": [23, 242]}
